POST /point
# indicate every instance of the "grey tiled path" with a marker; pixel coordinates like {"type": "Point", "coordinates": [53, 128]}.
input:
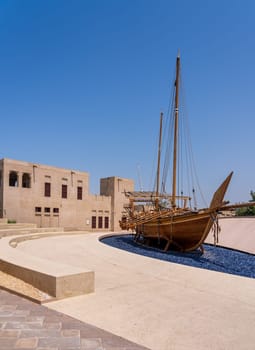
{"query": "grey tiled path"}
{"type": "Point", "coordinates": [25, 325]}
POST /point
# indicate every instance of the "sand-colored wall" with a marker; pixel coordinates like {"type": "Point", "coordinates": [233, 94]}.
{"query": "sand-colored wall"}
{"type": "Point", "coordinates": [1, 188]}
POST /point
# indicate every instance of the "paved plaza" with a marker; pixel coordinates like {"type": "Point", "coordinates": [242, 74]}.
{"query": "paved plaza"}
{"type": "Point", "coordinates": [138, 301]}
{"type": "Point", "coordinates": [157, 304]}
{"type": "Point", "coordinates": [25, 325]}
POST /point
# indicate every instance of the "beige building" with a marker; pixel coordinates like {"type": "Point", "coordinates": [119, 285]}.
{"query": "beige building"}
{"type": "Point", "coordinates": [51, 196]}
{"type": "Point", "coordinates": [114, 188]}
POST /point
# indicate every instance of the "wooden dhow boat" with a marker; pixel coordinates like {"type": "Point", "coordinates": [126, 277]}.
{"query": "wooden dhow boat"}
{"type": "Point", "coordinates": [174, 225]}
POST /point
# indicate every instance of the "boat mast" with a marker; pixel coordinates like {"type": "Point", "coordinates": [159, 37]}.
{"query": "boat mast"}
{"type": "Point", "coordinates": [158, 167]}
{"type": "Point", "coordinates": [176, 120]}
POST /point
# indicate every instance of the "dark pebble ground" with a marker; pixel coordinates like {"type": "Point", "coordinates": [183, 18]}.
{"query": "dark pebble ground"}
{"type": "Point", "coordinates": [214, 258]}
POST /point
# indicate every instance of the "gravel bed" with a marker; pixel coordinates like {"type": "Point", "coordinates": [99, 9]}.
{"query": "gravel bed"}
{"type": "Point", "coordinates": [20, 287]}
{"type": "Point", "coordinates": [214, 258]}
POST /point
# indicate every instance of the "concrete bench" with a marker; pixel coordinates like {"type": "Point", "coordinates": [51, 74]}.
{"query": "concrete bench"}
{"type": "Point", "coordinates": [57, 280]}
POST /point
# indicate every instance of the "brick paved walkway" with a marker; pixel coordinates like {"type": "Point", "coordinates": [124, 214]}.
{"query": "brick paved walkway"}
{"type": "Point", "coordinates": [25, 325]}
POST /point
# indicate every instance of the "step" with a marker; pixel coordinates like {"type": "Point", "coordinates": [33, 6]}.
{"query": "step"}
{"type": "Point", "coordinates": [28, 230]}
{"type": "Point", "coordinates": [4, 226]}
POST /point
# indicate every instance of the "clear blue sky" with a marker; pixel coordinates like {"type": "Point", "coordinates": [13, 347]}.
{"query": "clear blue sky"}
{"type": "Point", "coordinates": [82, 84]}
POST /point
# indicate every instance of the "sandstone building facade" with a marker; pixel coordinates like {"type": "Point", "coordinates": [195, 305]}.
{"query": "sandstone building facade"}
{"type": "Point", "coordinates": [54, 197]}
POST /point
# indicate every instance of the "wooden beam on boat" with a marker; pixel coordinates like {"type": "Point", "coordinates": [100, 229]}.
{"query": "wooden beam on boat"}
{"type": "Point", "coordinates": [237, 205]}
{"type": "Point", "coordinates": [151, 196]}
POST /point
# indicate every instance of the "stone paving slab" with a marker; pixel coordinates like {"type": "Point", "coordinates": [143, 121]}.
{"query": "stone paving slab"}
{"type": "Point", "coordinates": [25, 325]}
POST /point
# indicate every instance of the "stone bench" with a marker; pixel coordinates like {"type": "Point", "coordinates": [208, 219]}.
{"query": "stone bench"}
{"type": "Point", "coordinates": [57, 280]}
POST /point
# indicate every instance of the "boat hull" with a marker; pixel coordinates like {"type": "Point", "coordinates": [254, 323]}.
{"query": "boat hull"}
{"type": "Point", "coordinates": [184, 232]}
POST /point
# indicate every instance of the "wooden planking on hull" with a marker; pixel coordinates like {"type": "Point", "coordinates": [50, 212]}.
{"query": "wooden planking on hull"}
{"type": "Point", "coordinates": [185, 233]}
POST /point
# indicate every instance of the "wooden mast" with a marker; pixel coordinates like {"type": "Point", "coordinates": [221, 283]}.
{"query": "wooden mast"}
{"type": "Point", "coordinates": [158, 167]}
{"type": "Point", "coordinates": [176, 120]}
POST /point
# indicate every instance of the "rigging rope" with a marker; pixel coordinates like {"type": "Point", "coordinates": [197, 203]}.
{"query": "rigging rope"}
{"type": "Point", "coordinates": [187, 179]}
{"type": "Point", "coordinates": [216, 229]}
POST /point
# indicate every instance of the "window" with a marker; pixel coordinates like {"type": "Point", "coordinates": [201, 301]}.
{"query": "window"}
{"type": "Point", "coordinates": [100, 222]}
{"type": "Point", "coordinates": [79, 192]}
{"type": "Point", "coordinates": [55, 210]}
{"type": "Point", "coordinates": [47, 210]}
{"type": "Point", "coordinates": [47, 186]}
{"type": "Point", "coordinates": [94, 222]}
{"type": "Point", "coordinates": [26, 180]}
{"type": "Point", "coordinates": [13, 179]}
{"type": "Point", "coordinates": [38, 209]}
{"type": "Point", "coordinates": [106, 222]}
{"type": "Point", "coordinates": [64, 191]}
